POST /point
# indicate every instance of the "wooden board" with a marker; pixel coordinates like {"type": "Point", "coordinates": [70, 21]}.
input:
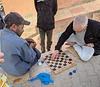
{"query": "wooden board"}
{"type": "Point", "coordinates": [60, 64]}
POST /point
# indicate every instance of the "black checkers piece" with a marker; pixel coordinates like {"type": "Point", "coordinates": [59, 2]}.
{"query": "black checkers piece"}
{"type": "Point", "coordinates": [50, 54]}
{"type": "Point", "coordinates": [66, 56]}
{"type": "Point", "coordinates": [62, 58]}
{"type": "Point", "coordinates": [53, 69]}
{"type": "Point", "coordinates": [70, 59]}
{"type": "Point", "coordinates": [56, 63]}
{"type": "Point", "coordinates": [55, 66]}
{"type": "Point", "coordinates": [48, 62]}
{"type": "Point", "coordinates": [52, 62]}
{"type": "Point", "coordinates": [64, 64]}
{"type": "Point", "coordinates": [60, 51]}
{"type": "Point", "coordinates": [49, 59]}
{"type": "Point", "coordinates": [57, 60]}
{"type": "Point", "coordinates": [51, 65]}
{"type": "Point", "coordinates": [60, 63]}
{"type": "Point", "coordinates": [59, 66]}
{"type": "Point", "coordinates": [46, 56]}
{"type": "Point", "coordinates": [63, 53]}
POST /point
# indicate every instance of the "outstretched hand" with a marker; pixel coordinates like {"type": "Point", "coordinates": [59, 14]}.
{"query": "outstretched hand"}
{"type": "Point", "coordinates": [54, 54]}
{"type": "Point", "coordinates": [1, 55]}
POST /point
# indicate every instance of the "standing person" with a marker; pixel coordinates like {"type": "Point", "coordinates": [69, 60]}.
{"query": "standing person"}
{"type": "Point", "coordinates": [46, 10]}
{"type": "Point", "coordinates": [20, 55]}
{"type": "Point", "coordinates": [84, 35]}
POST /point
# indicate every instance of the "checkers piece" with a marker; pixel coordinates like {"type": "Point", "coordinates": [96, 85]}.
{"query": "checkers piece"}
{"type": "Point", "coordinates": [74, 71]}
{"type": "Point", "coordinates": [48, 62]}
{"type": "Point", "coordinates": [61, 58]}
{"type": "Point", "coordinates": [60, 63]}
{"type": "Point", "coordinates": [69, 62]}
{"type": "Point", "coordinates": [70, 73]}
{"type": "Point", "coordinates": [64, 64]}
{"type": "Point", "coordinates": [54, 69]}
{"type": "Point", "coordinates": [57, 58]}
{"type": "Point", "coordinates": [55, 66]}
{"type": "Point", "coordinates": [70, 59]}
{"type": "Point", "coordinates": [59, 66]}
{"type": "Point", "coordinates": [66, 56]}
{"type": "Point", "coordinates": [66, 59]}
{"type": "Point", "coordinates": [56, 63]}
{"type": "Point", "coordinates": [60, 51]}
{"type": "Point", "coordinates": [50, 54]}
{"type": "Point", "coordinates": [46, 56]}
{"type": "Point", "coordinates": [46, 59]}
{"type": "Point", "coordinates": [51, 65]}
{"type": "Point", "coordinates": [49, 59]}
{"type": "Point", "coordinates": [63, 53]}
{"type": "Point", "coordinates": [42, 61]}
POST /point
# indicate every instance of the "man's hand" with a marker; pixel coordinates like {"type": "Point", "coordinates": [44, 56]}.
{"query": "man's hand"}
{"type": "Point", "coordinates": [29, 40]}
{"type": "Point", "coordinates": [70, 43]}
{"type": "Point", "coordinates": [55, 54]}
{"type": "Point", "coordinates": [90, 45]}
{"type": "Point", "coordinates": [33, 45]}
{"type": "Point", "coordinates": [32, 42]}
{"type": "Point", "coordinates": [1, 55]}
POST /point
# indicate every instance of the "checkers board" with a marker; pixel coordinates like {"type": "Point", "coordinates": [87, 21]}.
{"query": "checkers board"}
{"type": "Point", "coordinates": [60, 64]}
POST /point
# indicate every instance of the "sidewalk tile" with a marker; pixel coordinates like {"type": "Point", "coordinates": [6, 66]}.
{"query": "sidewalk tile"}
{"type": "Point", "coordinates": [94, 5]}
{"type": "Point", "coordinates": [76, 10]}
{"type": "Point", "coordinates": [88, 8]}
{"type": "Point", "coordinates": [62, 14]}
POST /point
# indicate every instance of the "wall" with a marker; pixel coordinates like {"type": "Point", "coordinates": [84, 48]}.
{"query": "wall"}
{"type": "Point", "coordinates": [22, 6]}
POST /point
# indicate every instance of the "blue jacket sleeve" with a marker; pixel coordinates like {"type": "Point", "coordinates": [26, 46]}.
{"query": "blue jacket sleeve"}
{"type": "Point", "coordinates": [27, 53]}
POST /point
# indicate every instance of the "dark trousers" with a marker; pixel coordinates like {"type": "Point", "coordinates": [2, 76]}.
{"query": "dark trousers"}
{"type": "Point", "coordinates": [49, 39]}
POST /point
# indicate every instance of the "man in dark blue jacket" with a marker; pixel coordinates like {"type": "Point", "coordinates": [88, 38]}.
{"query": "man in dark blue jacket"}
{"type": "Point", "coordinates": [46, 10]}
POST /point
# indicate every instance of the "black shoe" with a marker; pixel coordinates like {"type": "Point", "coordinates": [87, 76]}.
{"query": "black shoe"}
{"type": "Point", "coordinates": [42, 52]}
{"type": "Point", "coordinates": [95, 54]}
{"type": "Point", "coordinates": [48, 50]}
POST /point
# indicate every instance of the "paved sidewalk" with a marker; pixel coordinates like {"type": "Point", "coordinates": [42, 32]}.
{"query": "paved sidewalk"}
{"type": "Point", "coordinates": [79, 9]}
{"type": "Point", "coordinates": [87, 75]}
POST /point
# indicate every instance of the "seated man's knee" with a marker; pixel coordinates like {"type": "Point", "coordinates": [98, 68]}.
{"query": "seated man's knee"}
{"type": "Point", "coordinates": [86, 53]}
{"type": "Point", "coordinates": [85, 57]}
